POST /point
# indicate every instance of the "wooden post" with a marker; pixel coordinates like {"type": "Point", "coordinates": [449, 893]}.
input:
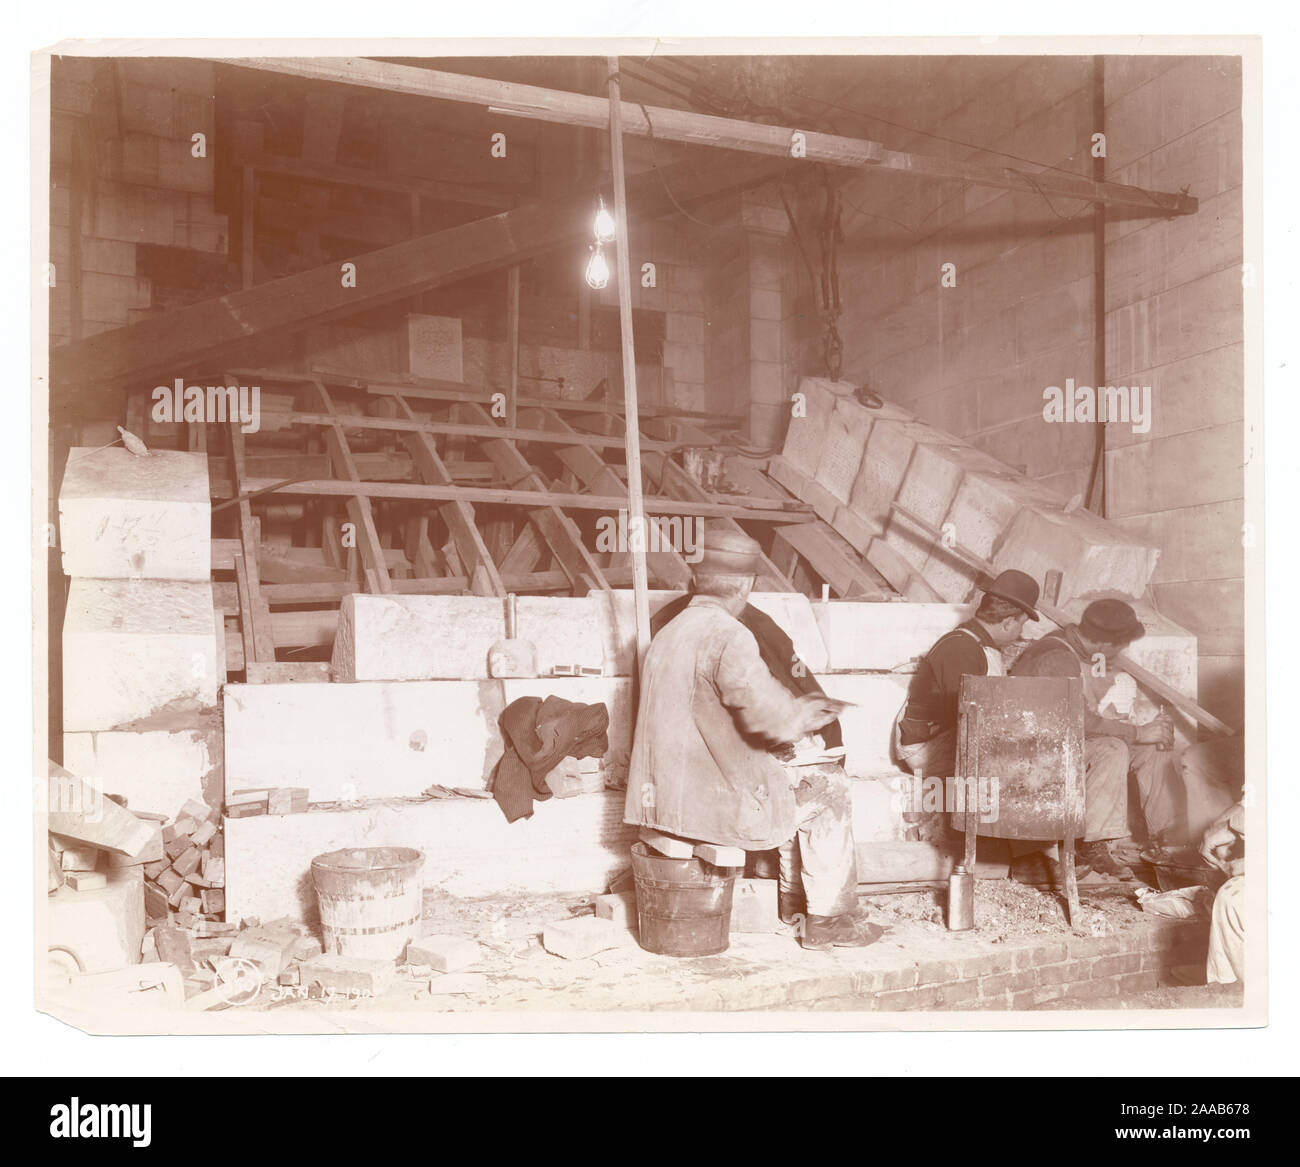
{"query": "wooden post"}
{"type": "Point", "coordinates": [512, 343]}
{"type": "Point", "coordinates": [623, 272]}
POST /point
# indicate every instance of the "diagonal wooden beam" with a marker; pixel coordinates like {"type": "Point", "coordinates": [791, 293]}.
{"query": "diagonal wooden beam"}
{"type": "Point", "coordinates": [213, 333]}
{"type": "Point", "coordinates": [577, 109]}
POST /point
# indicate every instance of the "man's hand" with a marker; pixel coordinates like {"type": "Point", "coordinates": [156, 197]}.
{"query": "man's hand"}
{"type": "Point", "coordinates": [1217, 845]}
{"type": "Point", "coordinates": [819, 710]}
{"type": "Point", "coordinates": [1159, 732]}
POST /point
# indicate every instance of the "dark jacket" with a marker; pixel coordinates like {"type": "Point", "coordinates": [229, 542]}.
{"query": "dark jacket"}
{"type": "Point", "coordinates": [538, 735]}
{"type": "Point", "coordinates": [932, 693]}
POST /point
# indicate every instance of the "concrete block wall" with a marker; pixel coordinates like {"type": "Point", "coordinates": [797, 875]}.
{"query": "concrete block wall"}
{"type": "Point", "coordinates": [140, 184]}
{"type": "Point", "coordinates": [1173, 322]}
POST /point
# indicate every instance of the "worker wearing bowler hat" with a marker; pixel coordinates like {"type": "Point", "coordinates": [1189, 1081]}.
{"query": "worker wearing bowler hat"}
{"type": "Point", "coordinates": [1111, 747]}
{"type": "Point", "coordinates": [711, 725]}
{"type": "Point", "coordinates": [925, 731]}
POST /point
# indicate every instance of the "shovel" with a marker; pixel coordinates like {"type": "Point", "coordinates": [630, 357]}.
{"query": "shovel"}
{"type": "Point", "coordinates": [512, 657]}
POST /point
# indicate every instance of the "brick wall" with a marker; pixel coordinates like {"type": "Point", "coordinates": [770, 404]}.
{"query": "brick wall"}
{"type": "Point", "coordinates": [1173, 321]}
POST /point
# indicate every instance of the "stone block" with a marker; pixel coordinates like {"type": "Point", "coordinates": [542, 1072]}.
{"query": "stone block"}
{"type": "Point", "coordinates": [565, 630]}
{"type": "Point", "coordinates": [857, 530]}
{"type": "Point", "coordinates": [581, 937]}
{"type": "Point", "coordinates": [371, 739]}
{"type": "Point", "coordinates": [434, 347]}
{"type": "Point", "coordinates": [616, 616]}
{"type": "Point", "coordinates": [124, 516]}
{"type": "Point", "coordinates": [416, 638]}
{"type": "Point", "coordinates": [136, 648]}
{"type": "Point", "coordinates": [932, 477]}
{"type": "Point", "coordinates": [877, 637]}
{"type": "Point", "coordinates": [867, 727]}
{"type": "Point", "coordinates": [348, 975]}
{"type": "Point", "coordinates": [617, 907]}
{"type": "Point", "coordinates": [270, 950]}
{"type": "Point", "coordinates": [1091, 554]}
{"type": "Point", "coordinates": [780, 470]}
{"type": "Point", "coordinates": [805, 436]}
{"type": "Point", "coordinates": [86, 880]}
{"type": "Point", "coordinates": [886, 560]}
{"type": "Point", "coordinates": [444, 954]}
{"type": "Point", "coordinates": [877, 812]}
{"type": "Point", "coordinates": [985, 504]}
{"type": "Point", "coordinates": [102, 928]}
{"type": "Point", "coordinates": [570, 845]}
{"type": "Point", "coordinates": [841, 457]}
{"type": "Point", "coordinates": [884, 464]}
{"type": "Point", "coordinates": [910, 540]}
{"type": "Point", "coordinates": [793, 612]}
{"type": "Point", "coordinates": [155, 770]}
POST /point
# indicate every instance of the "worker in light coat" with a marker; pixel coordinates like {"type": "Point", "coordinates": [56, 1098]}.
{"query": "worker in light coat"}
{"type": "Point", "coordinates": [704, 765]}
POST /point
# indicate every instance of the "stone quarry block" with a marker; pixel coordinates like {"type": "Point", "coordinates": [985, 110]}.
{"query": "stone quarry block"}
{"type": "Point", "coordinates": [565, 630]}
{"type": "Point", "coordinates": [805, 436]}
{"type": "Point", "coordinates": [156, 770]}
{"type": "Point", "coordinates": [416, 638]}
{"type": "Point", "coordinates": [619, 908]}
{"type": "Point", "coordinates": [124, 516]}
{"type": "Point", "coordinates": [909, 540]}
{"type": "Point", "coordinates": [616, 616]}
{"type": "Point", "coordinates": [444, 954]}
{"type": "Point", "coordinates": [841, 455]}
{"type": "Point", "coordinates": [780, 470]}
{"type": "Point", "coordinates": [80, 812]}
{"type": "Point", "coordinates": [569, 845]}
{"type": "Point", "coordinates": [102, 928]}
{"type": "Point", "coordinates": [1091, 554]}
{"type": "Point", "coordinates": [581, 937]}
{"type": "Point", "coordinates": [877, 810]}
{"type": "Point", "coordinates": [867, 636]}
{"type": "Point", "coordinates": [932, 478]}
{"type": "Point", "coordinates": [348, 975]}
{"type": "Point", "coordinates": [86, 880]}
{"type": "Point", "coordinates": [435, 348]}
{"type": "Point", "coordinates": [367, 740]}
{"type": "Point", "coordinates": [867, 727]}
{"type": "Point", "coordinates": [985, 504]}
{"type": "Point", "coordinates": [133, 649]}
{"type": "Point", "coordinates": [754, 906]}
{"type": "Point", "coordinates": [884, 465]}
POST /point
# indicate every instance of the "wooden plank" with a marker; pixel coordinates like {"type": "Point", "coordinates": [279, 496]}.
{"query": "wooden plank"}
{"type": "Point", "coordinates": [561, 534]}
{"type": "Point", "coordinates": [221, 328]}
{"type": "Point", "coordinates": [512, 344]}
{"type": "Point", "coordinates": [458, 514]}
{"type": "Point", "coordinates": [257, 632]}
{"type": "Point", "coordinates": [833, 559]}
{"type": "Point", "coordinates": [677, 125]}
{"type": "Point", "coordinates": [358, 506]}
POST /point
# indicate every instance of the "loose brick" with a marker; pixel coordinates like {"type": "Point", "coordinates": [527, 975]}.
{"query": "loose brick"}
{"type": "Point", "coordinates": [86, 880]}
{"type": "Point", "coordinates": [620, 909]}
{"type": "Point", "coordinates": [348, 974]}
{"type": "Point", "coordinates": [581, 937]}
{"type": "Point", "coordinates": [448, 953]}
{"type": "Point", "coordinates": [271, 952]}
{"type": "Point", "coordinates": [170, 881]}
{"type": "Point", "coordinates": [173, 946]}
{"type": "Point", "coordinates": [187, 862]}
{"type": "Point", "coordinates": [214, 901]}
{"type": "Point", "coordinates": [78, 858]}
{"type": "Point", "coordinates": [202, 833]}
{"type": "Point", "coordinates": [306, 948]}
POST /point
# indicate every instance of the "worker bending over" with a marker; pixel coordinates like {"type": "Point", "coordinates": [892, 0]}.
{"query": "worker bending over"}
{"type": "Point", "coordinates": [1111, 747]}
{"type": "Point", "coordinates": [1224, 847]}
{"type": "Point", "coordinates": [925, 731]}
{"type": "Point", "coordinates": [703, 766]}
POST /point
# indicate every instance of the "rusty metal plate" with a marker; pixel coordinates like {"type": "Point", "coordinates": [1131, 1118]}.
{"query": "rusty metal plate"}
{"type": "Point", "coordinates": [1027, 733]}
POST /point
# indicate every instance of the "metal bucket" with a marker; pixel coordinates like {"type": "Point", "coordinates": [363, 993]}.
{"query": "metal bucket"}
{"type": "Point", "coordinates": [683, 906]}
{"type": "Point", "coordinates": [369, 900]}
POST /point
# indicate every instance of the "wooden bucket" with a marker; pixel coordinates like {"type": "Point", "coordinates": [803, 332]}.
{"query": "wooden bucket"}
{"type": "Point", "coordinates": [369, 900]}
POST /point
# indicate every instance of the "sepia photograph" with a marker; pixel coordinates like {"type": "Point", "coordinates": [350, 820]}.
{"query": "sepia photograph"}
{"type": "Point", "coordinates": [637, 537]}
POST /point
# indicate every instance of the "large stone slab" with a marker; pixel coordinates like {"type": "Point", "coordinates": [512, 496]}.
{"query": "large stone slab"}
{"type": "Point", "coordinates": [805, 436]}
{"type": "Point", "coordinates": [570, 845]}
{"type": "Point", "coordinates": [984, 506]}
{"type": "Point", "coordinates": [794, 613]}
{"type": "Point", "coordinates": [134, 649]}
{"type": "Point", "coordinates": [1090, 553]}
{"type": "Point", "coordinates": [416, 638]}
{"type": "Point", "coordinates": [841, 456]}
{"type": "Point", "coordinates": [565, 630]}
{"type": "Point", "coordinates": [101, 928]}
{"type": "Point", "coordinates": [882, 636]}
{"type": "Point", "coordinates": [155, 770]}
{"type": "Point", "coordinates": [127, 516]}
{"type": "Point", "coordinates": [371, 739]}
{"type": "Point", "coordinates": [868, 726]}
{"type": "Point", "coordinates": [616, 617]}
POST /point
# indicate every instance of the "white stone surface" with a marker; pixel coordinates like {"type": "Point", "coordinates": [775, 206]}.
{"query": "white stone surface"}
{"type": "Point", "coordinates": [372, 739]}
{"type": "Point", "coordinates": [569, 845]}
{"type": "Point", "coordinates": [103, 928]}
{"type": "Point", "coordinates": [416, 638]}
{"type": "Point", "coordinates": [881, 636]}
{"type": "Point", "coordinates": [156, 771]}
{"type": "Point", "coordinates": [565, 630]}
{"type": "Point", "coordinates": [135, 648]}
{"type": "Point", "coordinates": [616, 615]}
{"type": "Point", "coordinates": [126, 516]}
{"type": "Point", "coordinates": [868, 726]}
{"type": "Point", "coordinates": [793, 612]}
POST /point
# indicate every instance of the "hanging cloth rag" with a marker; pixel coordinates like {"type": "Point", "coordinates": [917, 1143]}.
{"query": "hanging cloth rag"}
{"type": "Point", "coordinates": [538, 734]}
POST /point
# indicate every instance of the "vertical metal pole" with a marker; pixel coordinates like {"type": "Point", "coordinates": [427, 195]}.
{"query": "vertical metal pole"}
{"type": "Point", "coordinates": [623, 272]}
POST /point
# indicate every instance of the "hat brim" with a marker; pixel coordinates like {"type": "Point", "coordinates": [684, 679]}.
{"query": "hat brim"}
{"type": "Point", "coordinates": [1134, 632]}
{"type": "Point", "coordinates": [1027, 609]}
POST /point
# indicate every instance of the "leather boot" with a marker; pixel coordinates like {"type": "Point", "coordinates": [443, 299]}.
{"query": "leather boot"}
{"type": "Point", "coordinates": [822, 932]}
{"type": "Point", "coordinates": [790, 904]}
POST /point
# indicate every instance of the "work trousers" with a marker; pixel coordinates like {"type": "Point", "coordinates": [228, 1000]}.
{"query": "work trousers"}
{"type": "Point", "coordinates": [936, 758]}
{"type": "Point", "coordinates": [821, 857]}
{"type": "Point", "coordinates": [1226, 961]}
{"type": "Point", "coordinates": [1106, 764]}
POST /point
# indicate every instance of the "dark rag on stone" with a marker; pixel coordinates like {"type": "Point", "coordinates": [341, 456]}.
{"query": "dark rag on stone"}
{"type": "Point", "coordinates": [538, 734]}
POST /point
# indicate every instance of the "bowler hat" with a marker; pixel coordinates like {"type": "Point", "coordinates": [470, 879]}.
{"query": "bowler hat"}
{"type": "Point", "coordinates": [1111, 622]}
{"type": "Point", "coordinates": [727, 551]}
{"type": "Point", "coordinates": [1016, 588]}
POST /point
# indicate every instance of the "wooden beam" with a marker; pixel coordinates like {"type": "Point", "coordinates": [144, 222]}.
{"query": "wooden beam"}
{"type": "Point", "coordinates": [512, 345]}
{"type": "Point", "coordinates": [561, 534]}
{"type": "Point", "coordinates": [218, 330]}
{"type": "Point", "coordinates": [675, 125]}
{"type": "Point", "coordinates": [258, 638]}
{"type": "Point", "coordinates": [358, 505]}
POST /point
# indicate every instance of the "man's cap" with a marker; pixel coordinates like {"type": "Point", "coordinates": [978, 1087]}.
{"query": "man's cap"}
{"type": "Point", "coordinates": [1016, 587]}
{"type": "Point", "coordinates": [727, 551]}
{"type": "Point", "coordinates": [1111, 621]}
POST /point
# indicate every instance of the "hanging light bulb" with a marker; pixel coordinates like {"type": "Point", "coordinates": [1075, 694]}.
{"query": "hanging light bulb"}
{"type": "Point", "coordinates": [604, 225]}
{"type": "Point", "coordinates": [597, 269]}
